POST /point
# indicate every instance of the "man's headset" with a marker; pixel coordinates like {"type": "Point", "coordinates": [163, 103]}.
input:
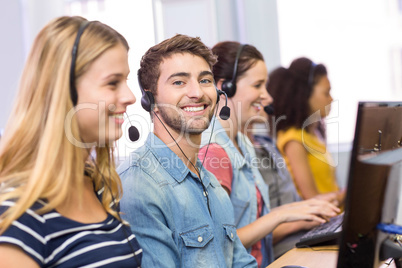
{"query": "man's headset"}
{"type": "Point", "coordinates": [148, 101]}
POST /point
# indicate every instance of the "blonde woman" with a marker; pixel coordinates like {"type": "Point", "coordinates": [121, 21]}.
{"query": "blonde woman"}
{"type": "Point", "coordinates": [59, 188]}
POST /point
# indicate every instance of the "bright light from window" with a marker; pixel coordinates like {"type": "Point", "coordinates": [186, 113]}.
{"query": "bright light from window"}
{"type": "Point", "coordinates": [358, 41]}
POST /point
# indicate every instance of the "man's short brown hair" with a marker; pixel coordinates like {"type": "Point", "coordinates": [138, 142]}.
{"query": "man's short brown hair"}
{"type": "Point", "coordinates": [149, 71]}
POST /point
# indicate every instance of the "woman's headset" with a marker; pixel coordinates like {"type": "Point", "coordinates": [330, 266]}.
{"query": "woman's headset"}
{"type": "Point", "coordinates": [229, 86]}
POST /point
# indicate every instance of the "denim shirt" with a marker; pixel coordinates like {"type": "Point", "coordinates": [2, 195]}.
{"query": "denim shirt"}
{"type": "Point", "coordinates": [167, 209]}
{"type": "Point", "coordinates": [246, 177]}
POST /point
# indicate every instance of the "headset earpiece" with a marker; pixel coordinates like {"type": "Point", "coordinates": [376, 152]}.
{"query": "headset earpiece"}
{"type": "Point", "coordinates": [229, 86]}
{"type": "Point", "coordinates": [147, 98]}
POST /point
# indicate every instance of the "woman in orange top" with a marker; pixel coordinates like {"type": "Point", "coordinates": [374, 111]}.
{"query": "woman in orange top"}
{"type": "Point", "coordinates": [302, 99]}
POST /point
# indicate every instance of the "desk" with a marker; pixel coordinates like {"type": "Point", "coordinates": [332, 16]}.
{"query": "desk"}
{"type": "Point", "coordinates": [325, 256]}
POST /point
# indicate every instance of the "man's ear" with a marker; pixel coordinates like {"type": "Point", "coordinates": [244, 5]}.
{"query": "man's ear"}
{"type": "Point", "coordinates": [155, 105]}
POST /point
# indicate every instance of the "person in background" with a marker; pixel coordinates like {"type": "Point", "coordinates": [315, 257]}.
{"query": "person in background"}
{"type": "Point", "coordinates": [302, 99]}
{"type": "Point", "coordinates": [229, 154]}
{"type": "Point", "coordinates": [273, 169]}
{"type": "Point", "coordinates": [272, 164]}
{"type": "Point", "coordinates": [59, 189]}
{"type": "Point", "coordinates": [180, 213]}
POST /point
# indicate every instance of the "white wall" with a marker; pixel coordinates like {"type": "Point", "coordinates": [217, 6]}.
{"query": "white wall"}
{"type": "Point", "coordinates": [19, 24]}
{"type": "Point", "coordinates": [246, 21]}
{"type": "Point", "coordinates": [12, 55]}
{"type": "Point", "coordinates": [260, 28]}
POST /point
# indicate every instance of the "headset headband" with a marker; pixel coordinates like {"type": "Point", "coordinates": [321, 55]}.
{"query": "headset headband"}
{"type": "Point", "coordinates": [234, 76]}
{"type": "Point", "coordinates": [74, 52]}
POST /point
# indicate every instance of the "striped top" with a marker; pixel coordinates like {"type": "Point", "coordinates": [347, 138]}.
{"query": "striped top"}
{"type": "Point", "coordinates": [55, 241]}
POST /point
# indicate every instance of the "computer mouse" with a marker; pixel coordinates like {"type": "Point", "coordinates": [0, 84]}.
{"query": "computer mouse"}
{"type": "Point", "coordinates": [293, 266]}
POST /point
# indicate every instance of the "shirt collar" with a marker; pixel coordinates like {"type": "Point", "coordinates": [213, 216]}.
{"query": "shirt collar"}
{"type": "Point", "coordinates": [172, 163]}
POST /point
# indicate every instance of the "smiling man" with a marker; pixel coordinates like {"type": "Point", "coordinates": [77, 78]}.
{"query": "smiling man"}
{"type": "Point", "coordinates": [181, 215]}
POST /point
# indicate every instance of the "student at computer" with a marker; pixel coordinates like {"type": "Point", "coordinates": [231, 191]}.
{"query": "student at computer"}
{"type": "Point", "coordinates": [273, 166]}
{"type": "Point", "coordinates": [180, 214]}
{"type": "Point", "coordinates": [58, 185]}
{"type": "Point", "coordinates": [242, 74]}
{"type": "Point", "coordinates": [282, 190]}
{"type": "Point", "coordinates": [302, 99]}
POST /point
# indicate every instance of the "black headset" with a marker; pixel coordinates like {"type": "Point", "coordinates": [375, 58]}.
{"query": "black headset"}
{"type": "Point", "coordinates": [74, 52]}
{"type": "Point", "coordinates": [148, 100]}
{"type": "Point", "coordinates": [229, 86]}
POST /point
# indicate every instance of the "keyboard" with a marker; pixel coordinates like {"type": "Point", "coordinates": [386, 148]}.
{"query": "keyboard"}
{"type": "Point", "coordinates": [326, 232]}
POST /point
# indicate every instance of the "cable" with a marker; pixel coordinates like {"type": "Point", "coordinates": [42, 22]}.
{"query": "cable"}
{"type": "Point", "coordinates": [196, 169]}
{"type": "Point", "coordinates": [210, 136]}
{"type": "Point", "coordinates": [390, 262]}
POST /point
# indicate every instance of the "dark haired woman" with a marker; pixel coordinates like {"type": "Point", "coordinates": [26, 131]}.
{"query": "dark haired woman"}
{"type": "Point", "coordinates": [230, 156]}
{"type": "Point", "coordinates": [302, 99]}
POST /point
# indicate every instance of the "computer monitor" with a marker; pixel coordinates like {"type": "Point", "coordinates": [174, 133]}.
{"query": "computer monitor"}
{"type": "Point", "coordinates": [374, 176]}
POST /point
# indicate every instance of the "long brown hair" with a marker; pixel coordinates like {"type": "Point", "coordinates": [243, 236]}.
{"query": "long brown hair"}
{"type": "Point", "coordinates": [291, 89]}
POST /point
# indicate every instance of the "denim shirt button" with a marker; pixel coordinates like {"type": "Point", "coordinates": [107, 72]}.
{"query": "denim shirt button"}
{"type": "Point", "coordinates": [205, 194]}
{"type": "Point", "coordinates": [231, 235]}
{"type": "Point", "coordinates": [200, 239]}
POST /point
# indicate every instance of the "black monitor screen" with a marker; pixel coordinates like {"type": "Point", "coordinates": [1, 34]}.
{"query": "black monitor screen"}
{"type": "Point", "coordinates": [376, 149]}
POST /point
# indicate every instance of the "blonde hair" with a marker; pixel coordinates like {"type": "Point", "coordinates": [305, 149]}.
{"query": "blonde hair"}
{"type": "Point", "coordinates": [37, 160]}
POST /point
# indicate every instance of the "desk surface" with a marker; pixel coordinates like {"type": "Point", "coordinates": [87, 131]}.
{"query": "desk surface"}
{"type": "Point", "coordinates": [326, 256]}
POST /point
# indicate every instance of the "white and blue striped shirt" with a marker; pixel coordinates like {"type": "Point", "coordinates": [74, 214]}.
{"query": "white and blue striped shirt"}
{"type": "Point", "coordinates": [55, 241]}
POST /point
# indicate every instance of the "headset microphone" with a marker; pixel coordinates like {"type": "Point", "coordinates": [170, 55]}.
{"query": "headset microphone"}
{"type": "Point", "coordinates": [269, 109]}
{"type": "Point", "coordinates": [133, 133]}
{"type": "Point", "coordinates": [224, 114]}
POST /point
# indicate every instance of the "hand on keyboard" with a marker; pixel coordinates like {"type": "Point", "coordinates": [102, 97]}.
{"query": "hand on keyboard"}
{"type": "Point", "coordinates": [323, 233]}
{"type": "Point", "coordinates": [308, 210]}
